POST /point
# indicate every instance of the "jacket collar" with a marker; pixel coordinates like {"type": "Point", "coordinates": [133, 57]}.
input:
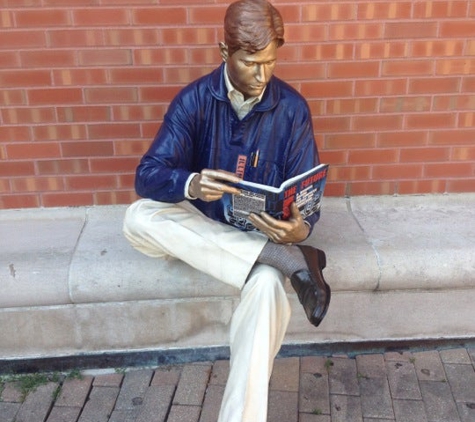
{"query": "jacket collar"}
{"type": "Point", "coordinates": [218, 89]}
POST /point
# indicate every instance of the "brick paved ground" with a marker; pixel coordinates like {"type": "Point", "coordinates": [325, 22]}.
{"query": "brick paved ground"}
{"type": "Point", "coordinates": [429, 386]}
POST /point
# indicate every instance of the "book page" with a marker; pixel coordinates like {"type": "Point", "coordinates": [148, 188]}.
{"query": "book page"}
{"type": "Point", "coordinates": [248, 202]}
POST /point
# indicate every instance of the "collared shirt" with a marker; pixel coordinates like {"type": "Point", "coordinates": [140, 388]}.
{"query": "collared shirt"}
{"type": "Point", "coordinates": [241, 106]}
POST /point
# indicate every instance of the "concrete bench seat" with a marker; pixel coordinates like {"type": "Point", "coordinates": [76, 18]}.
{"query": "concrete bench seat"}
{"type": "Point", "coordinates": [399, 267]}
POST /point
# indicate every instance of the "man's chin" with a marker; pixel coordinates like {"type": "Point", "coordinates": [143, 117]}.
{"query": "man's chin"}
{"type": "Point", "coordinates": [254, 91]}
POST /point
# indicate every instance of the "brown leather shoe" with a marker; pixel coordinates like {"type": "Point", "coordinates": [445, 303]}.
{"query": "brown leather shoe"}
{"type": "Point", "coordinates": [312, 290]}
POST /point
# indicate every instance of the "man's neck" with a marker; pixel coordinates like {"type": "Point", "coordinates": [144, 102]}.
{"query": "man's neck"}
{"type": "Point", "coordinates": [241, 105]}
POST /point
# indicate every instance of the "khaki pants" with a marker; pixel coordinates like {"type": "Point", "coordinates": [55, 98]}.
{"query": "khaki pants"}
{"type": "Point", "coordinates": [259, 322]}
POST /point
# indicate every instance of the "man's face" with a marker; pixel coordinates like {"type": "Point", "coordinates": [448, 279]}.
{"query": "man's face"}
{"type": "Point", "coordinates": [250, 73]}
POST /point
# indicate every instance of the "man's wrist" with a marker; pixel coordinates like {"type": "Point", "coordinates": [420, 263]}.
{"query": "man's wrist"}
{"type": "Point", "coordinates": [187, 187]}
{"type": "Point", "coordinates": [309, 227]}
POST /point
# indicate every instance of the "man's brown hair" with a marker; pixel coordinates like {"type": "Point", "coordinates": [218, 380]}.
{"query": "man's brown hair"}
{"type": "Point", "coordinates": [251, 25]}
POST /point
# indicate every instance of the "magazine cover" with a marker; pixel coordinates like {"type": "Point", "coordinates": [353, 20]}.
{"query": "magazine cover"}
{"type": "Point", "coordinates": [306, 190]}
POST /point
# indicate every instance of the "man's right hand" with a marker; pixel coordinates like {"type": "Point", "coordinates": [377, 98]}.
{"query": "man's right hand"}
{"type": "Point", "coordinates": [208, 185]}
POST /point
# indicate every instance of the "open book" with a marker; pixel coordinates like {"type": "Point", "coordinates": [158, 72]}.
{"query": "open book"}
{"type": "Point", "coordinates": [306, 190]}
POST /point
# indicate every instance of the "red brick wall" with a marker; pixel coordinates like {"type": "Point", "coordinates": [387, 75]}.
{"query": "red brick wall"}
{"type": "Point", "coordinates": [85, 84]}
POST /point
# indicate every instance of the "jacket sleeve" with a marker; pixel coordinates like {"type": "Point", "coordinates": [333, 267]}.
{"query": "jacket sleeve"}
{"type": "Point", "coordinates": [302, 153]}
{"type": "Point", "coordinates": [165, 167]}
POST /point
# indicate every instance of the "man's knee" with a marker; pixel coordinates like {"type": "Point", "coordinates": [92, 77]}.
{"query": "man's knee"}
{"type": "Point", "coordinates": [266, 279]}
{"type": "Point", "coordinates": [133, 222]}
{"type": "Point", "coordinates": [138, 230]}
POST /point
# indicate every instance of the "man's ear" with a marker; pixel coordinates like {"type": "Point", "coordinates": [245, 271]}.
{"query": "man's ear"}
{"type": "Point", "coordinates": [223, 50]}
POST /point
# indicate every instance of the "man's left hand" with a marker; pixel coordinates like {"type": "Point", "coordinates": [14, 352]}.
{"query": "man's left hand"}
{"type": "Point", "coordinates": [293, 230]}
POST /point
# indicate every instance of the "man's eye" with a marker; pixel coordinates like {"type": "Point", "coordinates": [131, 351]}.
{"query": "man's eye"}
{"type": "Point", "coordinates": [249, 64]}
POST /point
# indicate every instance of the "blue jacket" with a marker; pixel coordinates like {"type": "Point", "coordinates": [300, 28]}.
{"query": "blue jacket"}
{"type": "Point", "coordinates": [201, 130]}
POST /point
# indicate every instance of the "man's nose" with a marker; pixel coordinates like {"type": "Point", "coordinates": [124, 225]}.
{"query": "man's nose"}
{"type": "Point", "coordinates": [260, 73]}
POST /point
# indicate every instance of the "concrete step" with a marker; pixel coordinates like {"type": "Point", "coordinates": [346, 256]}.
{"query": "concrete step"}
{"type": "Point", "coordinates": [399, 268]}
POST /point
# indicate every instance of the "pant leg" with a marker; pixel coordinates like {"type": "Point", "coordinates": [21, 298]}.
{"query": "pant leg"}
{"type": "Point", "coordinates": [180, 230]}
{"type": "Point", "coordinates": [259, 323]}
{"type": "Point", "coordinates": [258, 327]}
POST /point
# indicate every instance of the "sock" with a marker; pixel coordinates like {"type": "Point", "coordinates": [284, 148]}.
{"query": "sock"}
{"type": "Point", "coordinates": [286, 258]}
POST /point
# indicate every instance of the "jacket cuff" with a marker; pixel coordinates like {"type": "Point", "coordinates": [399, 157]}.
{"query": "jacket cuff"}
{"type": "Point", "coordinates": [187, 186]}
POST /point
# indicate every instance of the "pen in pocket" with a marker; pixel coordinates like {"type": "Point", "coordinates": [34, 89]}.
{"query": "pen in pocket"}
{"type": "Point", "coordinates": [254, 158]}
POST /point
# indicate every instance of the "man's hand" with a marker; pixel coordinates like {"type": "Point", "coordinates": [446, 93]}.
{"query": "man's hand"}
{"type": "Point", "coordinates": [294, 230]}
{"type": "Point", "coordinates": [208, 185]}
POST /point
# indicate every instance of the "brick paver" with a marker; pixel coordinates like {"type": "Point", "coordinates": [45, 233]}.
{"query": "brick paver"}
{"type": "Point", "coordinates": [100, 404]}
{"type": "Point", "coordinates": [423, 386]}
{"type": "Point", "coordinates": [132, 392]}
{"type": "Point", "coordinates": [64, 414]}
{"type": "Point", "coordinates": [37, 404]}
{"type": "Point", "coordinates": [8, 411]}
{"type": "Point", "coordinates": [439, 403]}
{"type": "Point", "coordinates": [74, 392]}
{"type": "Point", "coordinates": [192, 385]}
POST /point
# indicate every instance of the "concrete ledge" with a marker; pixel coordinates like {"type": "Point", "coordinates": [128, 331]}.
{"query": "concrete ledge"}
{"type": "Point", "coordinates": [399, 267]}
{"type": "Point", "coordinates": [420, 242]}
